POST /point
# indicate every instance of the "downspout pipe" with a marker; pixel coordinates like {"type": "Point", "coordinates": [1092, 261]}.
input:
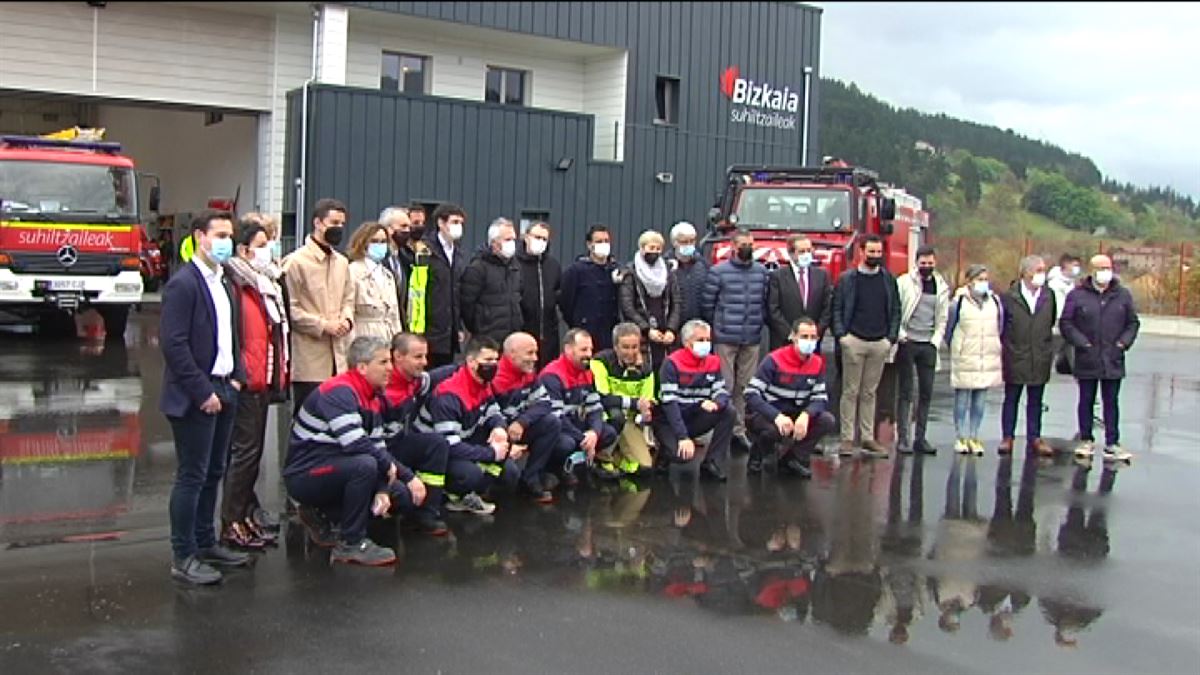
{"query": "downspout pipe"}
{"type": "Point", "coordinates": [302, 181]}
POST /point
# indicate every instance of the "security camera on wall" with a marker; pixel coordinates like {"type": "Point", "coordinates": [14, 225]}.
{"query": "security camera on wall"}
{"type": "Point", "coordinates": [664, 177]}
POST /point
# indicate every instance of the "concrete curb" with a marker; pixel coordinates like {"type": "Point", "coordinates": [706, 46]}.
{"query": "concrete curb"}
{"type": "Point", "coordinates": [1171, 326]}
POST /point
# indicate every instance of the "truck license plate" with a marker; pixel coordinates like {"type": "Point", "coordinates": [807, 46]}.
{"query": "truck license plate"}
{"type": "Point", "coordinates": [66, 285]}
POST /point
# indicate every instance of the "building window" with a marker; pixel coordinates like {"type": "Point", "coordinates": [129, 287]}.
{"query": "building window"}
{"type": "Point", "coordinates": [529, 217]}
{"type": "Point", "coordinates": [506, 85]}
{"type": "Point", "coordinates": [666, 99]}
{"type": "Point", "coordinates": [404, 72]}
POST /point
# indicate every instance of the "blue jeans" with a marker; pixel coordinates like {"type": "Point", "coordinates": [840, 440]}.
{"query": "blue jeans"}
{"type": "Point", "coordinates": [201, 448]}
{"type": "Point", "coordinates": [964, 398]}
{"type": "Point", "coordinates": [1110, 391]}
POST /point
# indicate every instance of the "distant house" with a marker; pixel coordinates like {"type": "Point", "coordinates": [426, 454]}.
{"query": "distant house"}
{"type": "Point", "coordinates": [923, 146]}
{"type": "Point", "coordinates": [1140, 258]}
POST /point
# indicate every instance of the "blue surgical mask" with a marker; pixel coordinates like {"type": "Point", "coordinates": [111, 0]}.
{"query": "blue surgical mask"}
{"type": "Point", "coordinates": [980, 288]}
{"type": "Point", "coordinates": [806, 347]}
{"type": "Point", "coordinates": [701, 349]}
{"type": "Point", "coordinates": [687, 250]}
{"type": "Point", "coordinates": [804, 259]}
{"type": "Point", "coordinates": [222, 250]}
{"type": "Point", "coordinates": [377, 251]}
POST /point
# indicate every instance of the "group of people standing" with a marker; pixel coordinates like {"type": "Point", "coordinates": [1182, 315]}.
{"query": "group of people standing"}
{"type": "Point", "coordinates": [424, 376]}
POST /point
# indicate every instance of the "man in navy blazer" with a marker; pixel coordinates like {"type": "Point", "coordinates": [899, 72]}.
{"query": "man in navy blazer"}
{"type": "Point", "coordinates": [202, 376]}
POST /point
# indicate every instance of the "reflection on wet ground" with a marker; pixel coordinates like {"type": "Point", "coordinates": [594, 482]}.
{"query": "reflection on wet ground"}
{"type": "Point", "coordinates": [918, 564]}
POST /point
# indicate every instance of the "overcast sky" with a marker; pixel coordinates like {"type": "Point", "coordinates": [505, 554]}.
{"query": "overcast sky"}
{"type": "Point", "coordinates": [1117, 82]}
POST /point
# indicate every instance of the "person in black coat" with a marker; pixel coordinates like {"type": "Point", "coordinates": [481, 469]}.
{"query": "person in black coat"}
{"type": "Point", "coordinates": [690, 268]}
{"type": "Point", "coordinates": [785, 300]}
{"type": "Point", "coordinates": [447, 263]}
{"type": "Point", "coordinates": [1028, 352]}
{"type": "Point", "coordinates": [650, 297]}
{"type": "Point", "coordinates": [490, 294]}
{"type": "Point", "coordinates": [541, 277]}
{"type": "Point", "coordinates": [588, 298]}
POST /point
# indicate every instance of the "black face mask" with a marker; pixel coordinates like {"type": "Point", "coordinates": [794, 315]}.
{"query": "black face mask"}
{"type": "Point", "coordinates": [333, 236]}
{"type": "Point", "coordinates": [745, 253]}
{"type": "Point", "coordinates": [926, 272]}
{"type": "Point", "coordinates": [874, 261]}
{"type": "Point", "coordinates": [400, 237]}
{"type": "Point", "coordinates": [486, 371]}
{"type": "Point", "coordinates": [651, 258]}
{"type": "Point", "coordinates": [416, 233]}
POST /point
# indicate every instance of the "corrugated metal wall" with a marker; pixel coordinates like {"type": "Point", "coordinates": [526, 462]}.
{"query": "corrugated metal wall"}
{"type": "Point", "coordinates": [371, 148]}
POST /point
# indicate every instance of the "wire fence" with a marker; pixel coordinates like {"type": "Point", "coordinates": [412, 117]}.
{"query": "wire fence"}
{"type": "Point", "coordinates": [1164, 280]}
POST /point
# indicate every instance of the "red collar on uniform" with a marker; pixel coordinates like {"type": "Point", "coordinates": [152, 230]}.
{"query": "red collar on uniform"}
{"type": "Point", "coordinates": [400, 388]}
{"type": "Point", "coordinates": [363, 391]}
{"type": "Point", "coordinates": [686, 361]}
{"type": "Point", "coordinates": [463, 384]}
{"type": "Point", "coordinates": [790, 361]}
{"type": "Point", "coordinates": [510, 378]}
{"type": "Point", "coordinates": [571, 375]}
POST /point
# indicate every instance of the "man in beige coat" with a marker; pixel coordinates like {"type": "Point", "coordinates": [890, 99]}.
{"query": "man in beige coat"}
{"type": "Point", "coordinates": [321, 302]}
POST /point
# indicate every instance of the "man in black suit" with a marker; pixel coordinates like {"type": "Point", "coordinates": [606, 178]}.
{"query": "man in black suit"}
{"type": "Point", "coordinates": [797, 290]}
{"type": "Point", "coordinates": [202, 376]}
{"type": "Point", "coordinates": [447, 263]}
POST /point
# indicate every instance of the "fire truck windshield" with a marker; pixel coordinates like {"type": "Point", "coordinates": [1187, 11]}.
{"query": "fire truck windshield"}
{"type": "Point", "coordinates": [66, 191]}
{"type": "Point", "coordinates": [786, 208]}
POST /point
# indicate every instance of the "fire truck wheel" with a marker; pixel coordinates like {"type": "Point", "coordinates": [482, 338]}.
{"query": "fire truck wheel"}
{"type": "Point", "coordinates": [116, 318]}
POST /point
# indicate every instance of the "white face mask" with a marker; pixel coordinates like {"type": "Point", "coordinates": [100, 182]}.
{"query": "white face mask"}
{"type": "Point", "coordinates": [535, 246]}
{"type": "Point", "coordinates": [508, 249]}
{"type": "Point", "coordinates": [1038, 280]}
{"type": "Point", "coordinates": [262, 258]}
{"type": "Point", "coordinates": [1104, 277]}
{"type": "Point", "coordinates": [980, 288]}
{"type": "Point", "coordinates": [602, 249]}
{"type": "Point", "coordinates": [1074, 270]}
{"type": "Point", "coordinates": [701, 349]}
{"type": "Point", "coordinates": [803, 259]}
{"type": "Point", "coordinates": [456, 231]}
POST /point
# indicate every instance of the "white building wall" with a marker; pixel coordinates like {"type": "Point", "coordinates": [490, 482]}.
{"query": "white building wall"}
{"type": "Point", "coordinates": [459, 67]}
{"type": "Point", "coordinates": [142, 51]}
{"type": "Point", "coordinates": [292, 65]}
{"type": "Point", "coordinates": [604, 92]}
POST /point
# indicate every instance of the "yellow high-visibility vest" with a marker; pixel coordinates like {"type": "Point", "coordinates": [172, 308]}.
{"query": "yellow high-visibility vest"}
{"type": "Point", "coordinates": [417, 283]}
{"type": "Point", "coordinates": [187, 248]}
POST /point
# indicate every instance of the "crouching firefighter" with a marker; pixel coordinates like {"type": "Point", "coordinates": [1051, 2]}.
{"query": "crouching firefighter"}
{"type": "Point", "coordinates": [338, 468]}
{"type": "Point", "coordinates": [408, 390]}
{"type": "Point", "coordinates": [694, 402]}
{"type": "Point", "coordinates": [463, 410]}
{"type": "Point", "coordinates": [523, 403]}
{"type": "Point", "coordinates": [569, 384]}
{"type": "Point", "coordinates": [625, 381]}
{"type": "Point", "coordinates": [787, 400]}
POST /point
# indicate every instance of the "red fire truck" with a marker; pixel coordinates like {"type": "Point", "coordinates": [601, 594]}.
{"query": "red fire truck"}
{"type": "Point", "coordinates": [68, 211]}
{"type": "Point", "coordinates": [835, 205]}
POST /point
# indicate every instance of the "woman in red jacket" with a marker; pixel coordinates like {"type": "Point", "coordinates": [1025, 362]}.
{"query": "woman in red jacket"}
{"type": "Point", "coordinates": [264, 343]}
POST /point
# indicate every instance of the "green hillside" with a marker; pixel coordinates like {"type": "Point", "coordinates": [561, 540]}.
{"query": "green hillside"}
{"type": "Point", "coordinates": [979, 180]}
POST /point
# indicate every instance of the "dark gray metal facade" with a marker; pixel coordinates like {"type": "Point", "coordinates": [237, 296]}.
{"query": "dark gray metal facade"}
{"type": "Point", "coordinates": [372, 148]}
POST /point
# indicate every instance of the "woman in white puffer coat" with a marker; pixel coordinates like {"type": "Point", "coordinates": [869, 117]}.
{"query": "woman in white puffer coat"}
{"type": "Point", "coordinates": [973, 331]}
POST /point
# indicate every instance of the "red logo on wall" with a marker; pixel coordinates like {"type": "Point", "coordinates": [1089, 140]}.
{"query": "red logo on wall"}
{"type": "Point", "coordinates": [729, 77]}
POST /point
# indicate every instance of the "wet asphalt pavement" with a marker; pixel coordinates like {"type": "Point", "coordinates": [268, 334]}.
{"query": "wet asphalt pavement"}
{"type": "Point", "coordinates": [939, 564]}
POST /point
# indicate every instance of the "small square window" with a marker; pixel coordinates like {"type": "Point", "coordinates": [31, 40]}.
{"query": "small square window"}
{"type": "Point", "coordinates": [666, 100]}
{"type": "Point", "coordinates": [506, 85]}
{"type": "Point", "coordinates": [404, 72]}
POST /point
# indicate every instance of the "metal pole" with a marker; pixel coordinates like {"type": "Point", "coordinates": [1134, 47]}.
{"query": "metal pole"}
{"type": "Point", "coordinates": [958, 262]}
{"type": "Point", "coordinates": [301, 182]}
{"type": "Point", "coordinates": [807, 109]}
{"type": "Point", "coordinates": [616, 138]}
{"type": "Point", "coordinates": [1182, 304]}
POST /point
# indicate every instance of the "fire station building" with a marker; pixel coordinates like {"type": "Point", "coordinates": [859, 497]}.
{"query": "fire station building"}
{"type": "Point", "coordinates": [574, 112]}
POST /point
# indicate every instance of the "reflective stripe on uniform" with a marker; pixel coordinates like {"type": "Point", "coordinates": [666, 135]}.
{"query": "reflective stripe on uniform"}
{"type": "Point", "coordinates": [417, 284]}
{"type": "Point", "coordinates": [490, 469]}
{"type": "Point", "coordinates": [432, 479]}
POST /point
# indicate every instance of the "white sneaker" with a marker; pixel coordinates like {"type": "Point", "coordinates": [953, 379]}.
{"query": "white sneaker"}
{"type": "Point", "coordinates": [1085, 450]}
{"type": "Point", "coordinates": [470, 503]}
{"type": "Point", "coordinates": [961, 447]}
{"type": "Point", "coordinates": [976, 446]}
{"type": "Point", "coordinates": [1115, 453]}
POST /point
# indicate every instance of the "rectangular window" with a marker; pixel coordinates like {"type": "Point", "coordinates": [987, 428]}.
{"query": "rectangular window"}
{"type": "Point", "coordinates": [529, 217]}
{"type": "Point", "coordinates": [666, 100]}
{"type": "Point", "coordinates": [404, 72]}
{"type": "Point", "coordinates": [506, 85]}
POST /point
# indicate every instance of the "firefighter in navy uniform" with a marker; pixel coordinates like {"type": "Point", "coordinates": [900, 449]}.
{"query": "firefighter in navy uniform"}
{"type": "Point", "coordinates": [338, 464]}
{"type": "Point", "coordinates": [463, 410]}
{"type": "Point", "coordinates": [694, 402]}
{"type": "Point", "coordinates": [408, 389]}
{"type": "Point", "coordinates": [574, 401]}
{"type": "Point", "coordinates": [526, 409]}
{"type": "Point", "coordinates": [788, 401]}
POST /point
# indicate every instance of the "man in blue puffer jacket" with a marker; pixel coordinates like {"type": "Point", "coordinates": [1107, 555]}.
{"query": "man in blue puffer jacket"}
{"type": "Point", "coordinates": [735, 302]}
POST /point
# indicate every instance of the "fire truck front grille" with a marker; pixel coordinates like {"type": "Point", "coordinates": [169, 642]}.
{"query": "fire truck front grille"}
{"type": "Point", "coordinates": [90, 264]}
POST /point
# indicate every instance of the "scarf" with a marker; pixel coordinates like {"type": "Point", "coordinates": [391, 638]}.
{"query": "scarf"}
{"type": "Point", "coordinates": [653, 277]}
